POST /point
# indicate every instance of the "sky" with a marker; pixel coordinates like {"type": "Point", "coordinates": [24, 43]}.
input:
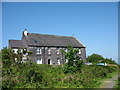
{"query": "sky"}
{"type": "Point", "coordinates": [95, 24]}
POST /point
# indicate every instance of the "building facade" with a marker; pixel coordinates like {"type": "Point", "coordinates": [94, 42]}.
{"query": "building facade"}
{"type": "Point", "coordinates": [46, 49]}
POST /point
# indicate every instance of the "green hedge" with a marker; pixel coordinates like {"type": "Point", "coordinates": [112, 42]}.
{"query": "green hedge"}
{"type": "Point", "coordinates": [31, 75]}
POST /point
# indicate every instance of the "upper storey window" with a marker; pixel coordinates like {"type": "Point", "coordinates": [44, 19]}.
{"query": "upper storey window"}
{"type": "Point", "coordinates": [58, 51]}
{"type": "Point", "coordinates": [79, 51]}
{"type": "Point", "coordinates": [65, 49]}
{"type": "Point", "coordinates": [49, 51]}
{"type": "Point", "coordinates": [39, 51]}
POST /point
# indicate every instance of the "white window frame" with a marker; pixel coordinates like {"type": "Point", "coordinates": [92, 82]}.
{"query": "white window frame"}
{"type": "Point", "coordinates": [30, 47]}
{"type": "Point", "coordinates": [15, 50]}
{"type": "Point", "coordinates": [58, 61]}
{"type": "Point", "coordinates": [39, 51]}
{"type": "Point", "coordinates": [46, 47]}
{"type": "Point", "coordinates": [58, 51]}
{"type": "Point", "coordinates": [39, 61]}
{"type": "Point", "coordinates": [79, 51]}
{"type": "Point", "coordinates": [49, 51]}
{"type": "Point", "coordinates": [66, 50]}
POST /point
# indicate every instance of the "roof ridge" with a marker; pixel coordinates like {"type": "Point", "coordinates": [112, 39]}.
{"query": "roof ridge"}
{"type": "Point", "coordinates": [50, 35]}
{"type": "Point", "coordinates": [14, 40]}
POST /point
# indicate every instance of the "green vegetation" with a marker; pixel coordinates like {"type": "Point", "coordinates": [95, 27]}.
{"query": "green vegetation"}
{"type": "Point", "coordinates": [118, 80]}
{"type": "Point", "coordinates": [9, 57]}
{"type": "Point", "coordinates": [74, 74]}
{"type": "Point", "coordinates": [117, 83]}
{"type": "Point", "coordinates": [96, 58]}
{"type": "Point", "coordinates": [74, 63]}
{"type": "Point", "coordinates": [31, 75]}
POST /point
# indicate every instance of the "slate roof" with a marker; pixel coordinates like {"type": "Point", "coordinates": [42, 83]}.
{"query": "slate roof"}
{"type": "Point", "coordinates": [15, 43]}
{"type": "Point", "coordinates": [52, 40]}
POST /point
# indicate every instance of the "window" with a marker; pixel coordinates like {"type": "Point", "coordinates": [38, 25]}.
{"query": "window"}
{"type": "Point", "coordinates": [79, 51]}
{"type": "Point", "coordinates": [49, 51]}
{"type": "Point", "coordinates": [66, 61]}
{"type": "Point", "coordinates": [66, 50]}
{"type": "Point", "coordinates": [58, 61]}
{"type": "Point", "coordinates": [21, 50]}
{"type": "Point", "coordinates": [15, 50]}
{"type": "Point", "coordinates": [39, 61]}
{"type": "Point", "coordinates": [58, 51]}
{"type": "Point", "coordinates": [30, 47]}
{"type": "Point", "coordinates": [39, 51]}
{"type": "Point", "coordinates": [15, 59]}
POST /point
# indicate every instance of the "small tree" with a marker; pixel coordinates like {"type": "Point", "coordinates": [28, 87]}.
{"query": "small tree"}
{"type": "Point", "coordinates": [74, 63]}
{"type": "Point", "coordinates": [11, 62]}
{"type": "Point", "coordinates": [10, 57]}
{"type": "Point", "coordinates": [96, 58]}
{"type": "Point", "coordinates": [22, 53]}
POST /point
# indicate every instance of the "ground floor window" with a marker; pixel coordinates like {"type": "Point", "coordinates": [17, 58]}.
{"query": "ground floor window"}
{"type": "Point", "coordinates": [58, 61]}
{"type": "Point", "coordinates": [39, 61]}
{"type": "Point", "coordinates": [15, 50]}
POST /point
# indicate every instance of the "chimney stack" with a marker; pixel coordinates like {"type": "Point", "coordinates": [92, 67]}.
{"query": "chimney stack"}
{"type": "Point", "coordinates": [25, 32]}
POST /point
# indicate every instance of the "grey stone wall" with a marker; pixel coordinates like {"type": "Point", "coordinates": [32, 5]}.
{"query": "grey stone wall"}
{"type": "Point", "coordinates": [24, 41]}
{"type": "Point", "coordinates": [53, 56]}
{"type": "Point", "coordinates": [83, 54]}
{"type": "Point", "coordinates": [45, 56]}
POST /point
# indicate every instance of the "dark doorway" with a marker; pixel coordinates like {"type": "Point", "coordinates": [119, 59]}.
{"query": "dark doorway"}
{"type": "Point", "coordinates": [49, 61]}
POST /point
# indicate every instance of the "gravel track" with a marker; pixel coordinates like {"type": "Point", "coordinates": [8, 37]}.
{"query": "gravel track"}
{"type": "Point", "coordinates": [110, 83]}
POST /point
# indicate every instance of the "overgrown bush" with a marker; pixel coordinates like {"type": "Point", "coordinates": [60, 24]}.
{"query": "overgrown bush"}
{"type": "Point", "coordinates": [96, 58]}
{"type": "Point", "coordinates": [74, 62]}
{"type": "Point", "coordinates": [32, 75]}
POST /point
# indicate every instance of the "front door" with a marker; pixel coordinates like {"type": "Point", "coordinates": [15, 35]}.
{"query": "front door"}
{"type": "Point", "coordinates": [49, 61]}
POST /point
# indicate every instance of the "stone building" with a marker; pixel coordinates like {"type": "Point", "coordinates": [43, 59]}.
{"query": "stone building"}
{"type": "Point", "coordinates": [46, 49]}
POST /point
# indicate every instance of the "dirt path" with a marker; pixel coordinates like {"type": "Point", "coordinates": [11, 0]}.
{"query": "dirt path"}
{"type": "Point", "coordinates": [110, 83]}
